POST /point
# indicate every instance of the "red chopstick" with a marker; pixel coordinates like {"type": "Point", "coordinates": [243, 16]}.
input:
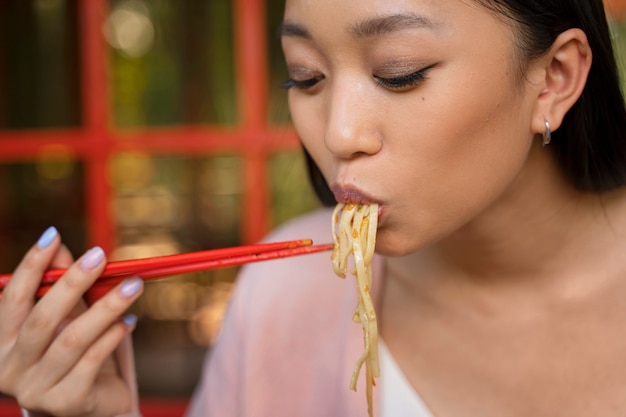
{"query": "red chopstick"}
{"type": "Point", "coordinates": [162, 266]}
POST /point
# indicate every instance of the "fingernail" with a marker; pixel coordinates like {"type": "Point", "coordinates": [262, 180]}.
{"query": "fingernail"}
{"type": "Point", "coordinates": [131, 286]}
{"type": "Point", "coordinates": [92, 258]}
{"type": "Point", "coordinates": [47, 237]}
{"type": "Point", "coordinates": [130, 320]}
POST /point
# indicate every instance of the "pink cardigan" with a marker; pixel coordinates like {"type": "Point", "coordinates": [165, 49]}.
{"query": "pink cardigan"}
{"type": "Point", "coordinates": [288, 344]}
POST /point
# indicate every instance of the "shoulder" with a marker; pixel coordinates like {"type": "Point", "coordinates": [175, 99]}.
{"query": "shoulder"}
{"type": "Point", "coordinates": [296, 300]}
{"type": "Point", "coordinates": [314, 225]}
{"type": "Point", "coordinates": [289, 323]}
{"type": "Point", "coordinates": [272, 291]}
{"type": "Point", "coordinates": [295, 273]}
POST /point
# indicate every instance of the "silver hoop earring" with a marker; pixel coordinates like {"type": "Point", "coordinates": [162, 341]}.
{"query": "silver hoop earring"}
{"type": "Point", "coordinates": [547, 135]}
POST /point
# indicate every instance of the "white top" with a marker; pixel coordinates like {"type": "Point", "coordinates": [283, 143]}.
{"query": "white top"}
{"type": "Point", "coordinates": [397, 396]}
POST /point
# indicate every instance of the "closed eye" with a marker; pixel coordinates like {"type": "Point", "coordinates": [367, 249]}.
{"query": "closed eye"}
{"type": "Point", "coordinates": [403, 82]}
{"type": "Point", "coordinates": [301, 84]}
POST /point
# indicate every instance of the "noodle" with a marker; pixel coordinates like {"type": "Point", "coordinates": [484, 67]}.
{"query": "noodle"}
{"type": "Point", "coordinates": [354, 232]}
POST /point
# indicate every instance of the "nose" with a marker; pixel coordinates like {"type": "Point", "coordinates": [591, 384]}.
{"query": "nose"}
{"type": "Point", "coordinates": [352, 122]}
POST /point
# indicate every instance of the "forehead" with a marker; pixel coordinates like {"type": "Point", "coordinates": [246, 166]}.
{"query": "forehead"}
{"type": "Point", "coordinates": [465, 21]}
{"type": "Point", "coordinates": [371, 17]}
{"type": "Point", "coordinates": [461, 31]}
{"type": "Point", "coordinates": [368, 27]}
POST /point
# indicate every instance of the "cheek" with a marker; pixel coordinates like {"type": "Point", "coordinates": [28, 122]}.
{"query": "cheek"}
{"type": "Point", "coordinates": [463, 154]}
{"type": "Point", "coordinates": [309, 124]}
{"type": "Point", "coordinates": [475, 127]}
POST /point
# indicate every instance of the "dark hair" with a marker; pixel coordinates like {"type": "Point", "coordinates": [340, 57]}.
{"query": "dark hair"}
{"type": "Point", "coordinates": [590, 145]}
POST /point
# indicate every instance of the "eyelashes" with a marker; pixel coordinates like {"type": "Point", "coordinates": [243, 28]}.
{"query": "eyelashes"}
{"type": "Point", "coordinates": [402, 82]}
{"type": "Point", "coordinates": [391, 83]}
{"type": "Point", "coordinates": [301, 84]}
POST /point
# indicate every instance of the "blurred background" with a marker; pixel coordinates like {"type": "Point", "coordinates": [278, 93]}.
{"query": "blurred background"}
{"type": "Point", "coordinates": [148, 127]}
{"type": "Point", "coordinates": [152, 127]}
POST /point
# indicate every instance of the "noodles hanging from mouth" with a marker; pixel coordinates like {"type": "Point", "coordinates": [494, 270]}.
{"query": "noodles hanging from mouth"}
{"type": "Point", "coordinates": [354, 232]}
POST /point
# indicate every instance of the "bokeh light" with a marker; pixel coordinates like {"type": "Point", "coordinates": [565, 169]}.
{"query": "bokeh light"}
{"type": "Point", "coordinates": [55, 162]}
{"type": "Point", "coordinates": [129, 28]}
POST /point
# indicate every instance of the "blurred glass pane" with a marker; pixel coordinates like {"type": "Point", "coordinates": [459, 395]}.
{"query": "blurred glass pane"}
{"type": "Point", "coordinates": [168, 205]}
{"type": "Point", "coordinates": [36, 196]}
{"type": "Point", "coordinates": [278, 111]}
{"type": "Point", "coordinates": [38, 64]}
{"type": "Point", "coordinates": [172, 62]}
{"type": "Point", "coordinates": [291, 191]}
{"type": "Point", "coordinates": [179, 318]}
{"type": "Point", "coordinates": [191, 203]}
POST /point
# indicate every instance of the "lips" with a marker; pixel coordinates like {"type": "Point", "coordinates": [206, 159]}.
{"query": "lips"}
{"type": "Point", "coordinates": [347, 194]}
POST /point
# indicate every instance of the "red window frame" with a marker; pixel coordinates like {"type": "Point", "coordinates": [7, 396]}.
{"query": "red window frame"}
{"type": "Point", "coordinates": [97, 140]}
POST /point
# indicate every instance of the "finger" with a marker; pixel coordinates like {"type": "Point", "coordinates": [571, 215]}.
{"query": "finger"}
{"type": "Point", "coordinates": [33, 264]}
{"type": "Point", "coordinates": [18, 295]}
{"type": "Point", "coordinates": [98, 291]}
{"type": "Point", "coordinates": [86, 377]}
{"type": "Point", "coordinates": [63, 258]}
{"type": "Point", "coordinates": [47, 315]}
{"type": "Point", "coordinates": [77, 337]}
{"type": "Point", "coordinates": [77, 394]}
{"type": "Point", "coordinates": [78, 309]}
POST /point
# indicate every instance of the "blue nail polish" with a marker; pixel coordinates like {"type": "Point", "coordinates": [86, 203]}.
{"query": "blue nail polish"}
{"type": "Point", "coordinates": [47, 237]}
{"type": "Point", "coordinates": [131, 286]}
{"type": "Point", "coordinates": [92, 258]}
{"type": "Point", "coordinates": [130, 320]}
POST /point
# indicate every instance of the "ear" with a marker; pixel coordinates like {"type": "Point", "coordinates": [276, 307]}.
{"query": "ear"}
{"type": "Point", "coordinates": [564, 70]}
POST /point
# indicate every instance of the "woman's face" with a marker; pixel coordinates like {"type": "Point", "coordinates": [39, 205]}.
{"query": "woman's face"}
{"type": "Point", "coordinates": [414, 104]}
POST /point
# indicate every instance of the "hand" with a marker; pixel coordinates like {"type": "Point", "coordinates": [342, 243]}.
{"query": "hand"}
{"type": "Point", "coordinates": [56, 354]}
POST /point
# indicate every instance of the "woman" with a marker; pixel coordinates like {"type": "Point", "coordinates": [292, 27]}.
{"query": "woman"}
{"type": "Point", "coordinates": [496, 151]}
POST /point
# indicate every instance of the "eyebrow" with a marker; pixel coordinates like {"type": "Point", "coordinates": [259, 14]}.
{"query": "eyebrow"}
{"type": "Point", "coordinates": [289, 29]}
{"type": "Point", "coordinates": [367, 28]}
{"type": "Point", "coordinates": [386, 24]}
